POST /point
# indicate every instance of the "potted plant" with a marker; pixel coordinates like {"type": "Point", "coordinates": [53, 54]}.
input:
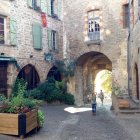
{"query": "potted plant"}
{"type": "Point", "coordinates": [18, 115]}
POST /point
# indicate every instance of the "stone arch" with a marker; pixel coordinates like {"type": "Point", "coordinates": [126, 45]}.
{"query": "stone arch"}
{"type": "Point", "coordinates": [54, 73]}
{"type": "Point", "coordinates": [87, 66]}
{"type": "Point", "coordinates": [30, 75]}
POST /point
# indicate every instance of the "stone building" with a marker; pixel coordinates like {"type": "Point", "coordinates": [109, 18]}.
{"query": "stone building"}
{"type": "Point", "coordinates": [134, 44]}
{"type": "Point", "coordinates": [28, 43]}
{"type": "Point", "coordinates": [97, 39]}
{"type": "Point", "coordinates": [92, 34]}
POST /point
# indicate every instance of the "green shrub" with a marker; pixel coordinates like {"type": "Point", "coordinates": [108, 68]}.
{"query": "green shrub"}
{"type": "Point", "coordinates": [19, 87]}
{"type": "Point", "coordinates": [42, 87]}
{"type": "Point", "coordinates": [18, 103]}
{"type": "Point", "coordinates": [40, 118]}
{"type": "Point", "coordinates": [37, 94]}
{"type": "Point", "coordinates": [54, 96]}
{"type": "Point", "coordinates": [69, 99]}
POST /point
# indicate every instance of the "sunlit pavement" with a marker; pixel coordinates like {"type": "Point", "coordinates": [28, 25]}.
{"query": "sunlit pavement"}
{"type": "Point", "coordinates": [78, 123]}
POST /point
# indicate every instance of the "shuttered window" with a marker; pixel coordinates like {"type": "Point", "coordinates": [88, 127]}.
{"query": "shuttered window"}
{"type": "Point", "coordinates": [125, 15]}
{"type": "Point", "coordinates": [37, 36]}
{"type": "Point", "coordinates": [2, 38]}
{"type": "Point", "coordinates": [52, 40]}
{"type": "Point", "coordinates": [13, 34]}
{"type": "Point", "coordinates": [44, 6]}
{"type": "Point", "coordinates": [139, 8]}
{"type": "Point", "coordinates": [54, 8]}
{"type": "Point", "coordinates": [35, 4]}
{"type": "Point", "coordinates": [59, 8]}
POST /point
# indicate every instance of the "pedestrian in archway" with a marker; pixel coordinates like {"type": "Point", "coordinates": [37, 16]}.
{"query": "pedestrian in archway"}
{"type": "Point", "coordinates": [93, 103]}
{"type": "Point", "coordinates": [101, 96]}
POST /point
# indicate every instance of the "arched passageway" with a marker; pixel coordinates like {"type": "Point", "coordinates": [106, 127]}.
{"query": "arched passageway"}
{"type": "Point", "coordinates": [87, 67]}
{"type": "Point", "coordinates": [54, 73]}
{"type": "Point", "coordinates": [30, 75]}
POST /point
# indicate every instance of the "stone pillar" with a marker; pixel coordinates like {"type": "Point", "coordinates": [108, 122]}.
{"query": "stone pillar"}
{"type": "Point", "coordinates": [79, 86]}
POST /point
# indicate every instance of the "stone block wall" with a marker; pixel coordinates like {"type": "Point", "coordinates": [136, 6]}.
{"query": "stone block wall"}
{"type": "Point", "coordinates": [113, 36]}
{"type": "Point", "coordinates": [22, 52]}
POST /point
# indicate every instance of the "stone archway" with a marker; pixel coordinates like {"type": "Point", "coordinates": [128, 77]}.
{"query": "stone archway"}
{"type": "Point", "coordinates": [87, 66]}
{"type": "Point", "coordinates": [54, 73]}
{"type": "Point", "coordinates": [30, 75]}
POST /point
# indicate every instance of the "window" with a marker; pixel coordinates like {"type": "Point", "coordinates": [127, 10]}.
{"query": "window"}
{"type": "Point", "coordinates": [35, 4]}
{"type": "Point", "coordinates": [52, 39]}
{"type": "Point", "coordinates": [2, 33]}
{"type": "Point", "coordinates": [139, 8]}
{"type": "Point", "coordinates": [126, 15]}
{"type": "Point", "coordinates": [93, 25]}
{"type": "Point", "coordinates": [54, 8]}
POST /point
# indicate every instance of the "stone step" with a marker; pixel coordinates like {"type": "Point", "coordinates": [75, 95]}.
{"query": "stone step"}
{"type": "Point", "coordinates": [128, 111]}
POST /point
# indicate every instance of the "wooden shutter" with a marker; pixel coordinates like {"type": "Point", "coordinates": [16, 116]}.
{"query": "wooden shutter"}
{"type": "Point", "coordinates": [59, 8]}
{"type": "Point", "coordinates": [139, 8]}
{"type": "Point", "coordinates": [57, 41]}
{"type": "Point", "coordinates": [30, 3]}
{"type": "Point", "coordinates": [37, 36]}
{"type": "Point", "coordinates": [44, 6]}
{"type": "Point", "coordinates": [49, 39]}
{"type": "Point", "coordinates": [13, 35]}
{"type": "Point", "coordinates": [49, 7]}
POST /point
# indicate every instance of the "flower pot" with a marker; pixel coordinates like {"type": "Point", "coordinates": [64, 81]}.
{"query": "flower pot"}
{"type": "Point", "coordinates": [18, 124]}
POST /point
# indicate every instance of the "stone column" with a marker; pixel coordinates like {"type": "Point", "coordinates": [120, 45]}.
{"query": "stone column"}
{"type": "Point", "coordinates": [79, 86]}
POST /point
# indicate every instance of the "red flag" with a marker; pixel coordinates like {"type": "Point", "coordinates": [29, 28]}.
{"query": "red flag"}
{"type": "Point", "coordinates": [43, 18]}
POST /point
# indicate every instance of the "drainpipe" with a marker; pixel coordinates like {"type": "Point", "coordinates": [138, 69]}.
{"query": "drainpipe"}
{"type": "Point", "coordinates": [128, 48]}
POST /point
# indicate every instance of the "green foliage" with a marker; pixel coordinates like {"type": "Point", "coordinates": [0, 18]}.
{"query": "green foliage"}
{"type": "Point", "coordinates": [40, 118]}
{"type": "Point", "coordinates": [66, 69]}
{"type": "Point", "coordinates": [61, 86]}
{"type": "Point", "coordinates": [69, 99]}
{"type": "Point", "coordinates": [18, 103]}
{"type": "Point", "coordinates": [57, 91]}
{"type": "Point", "coordinates": [36, 94]}
{"type": "Point", "coordinates": [107, 81]}
{"type": "Point", "coordinates": [19, 87]}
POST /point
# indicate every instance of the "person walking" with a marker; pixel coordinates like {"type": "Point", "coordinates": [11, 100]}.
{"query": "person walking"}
{"type": "Point", "coordinates": [93, 103]}
{"type": "Point", "coordinates": [101, 96]}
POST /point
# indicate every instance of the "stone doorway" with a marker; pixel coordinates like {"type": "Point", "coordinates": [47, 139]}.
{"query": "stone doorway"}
{"type": "Point", "coordinates": [87, 67]}
{"type": "Point", "coordinates": [3, 77]}
{"type": "Point", "coordinates": [30, 75]}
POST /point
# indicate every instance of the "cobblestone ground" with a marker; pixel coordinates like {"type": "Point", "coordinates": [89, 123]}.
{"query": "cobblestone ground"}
{"type": "Point", "coordinates": [78, 123]}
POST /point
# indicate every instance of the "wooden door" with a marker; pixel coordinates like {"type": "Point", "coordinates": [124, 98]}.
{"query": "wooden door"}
{"type": "Point", "coordinates": [3, 77]}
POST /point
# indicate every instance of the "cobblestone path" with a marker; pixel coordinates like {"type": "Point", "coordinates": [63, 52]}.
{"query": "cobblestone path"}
{"type": "Point", "coordinates": [78, 123]}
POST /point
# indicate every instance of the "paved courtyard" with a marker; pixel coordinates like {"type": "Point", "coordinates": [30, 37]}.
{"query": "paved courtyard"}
{"type": "Point", "coordinates": [78, 123]}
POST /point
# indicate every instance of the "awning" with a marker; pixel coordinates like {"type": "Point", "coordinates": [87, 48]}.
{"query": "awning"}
{"type": "Point", "coordinates": [9, 59]}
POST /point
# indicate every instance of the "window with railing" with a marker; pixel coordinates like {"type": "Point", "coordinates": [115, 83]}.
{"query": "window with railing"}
{"type": "Point", "coordinates": [93, 25]}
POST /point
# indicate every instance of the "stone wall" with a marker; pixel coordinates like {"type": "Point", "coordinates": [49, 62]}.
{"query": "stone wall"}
{"type": "Point", "coordinates": [135, 51]}
{"type": "Point", "coordinates": [113, 36]}
{"type": "Point", "coordinates": [22, 52]}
